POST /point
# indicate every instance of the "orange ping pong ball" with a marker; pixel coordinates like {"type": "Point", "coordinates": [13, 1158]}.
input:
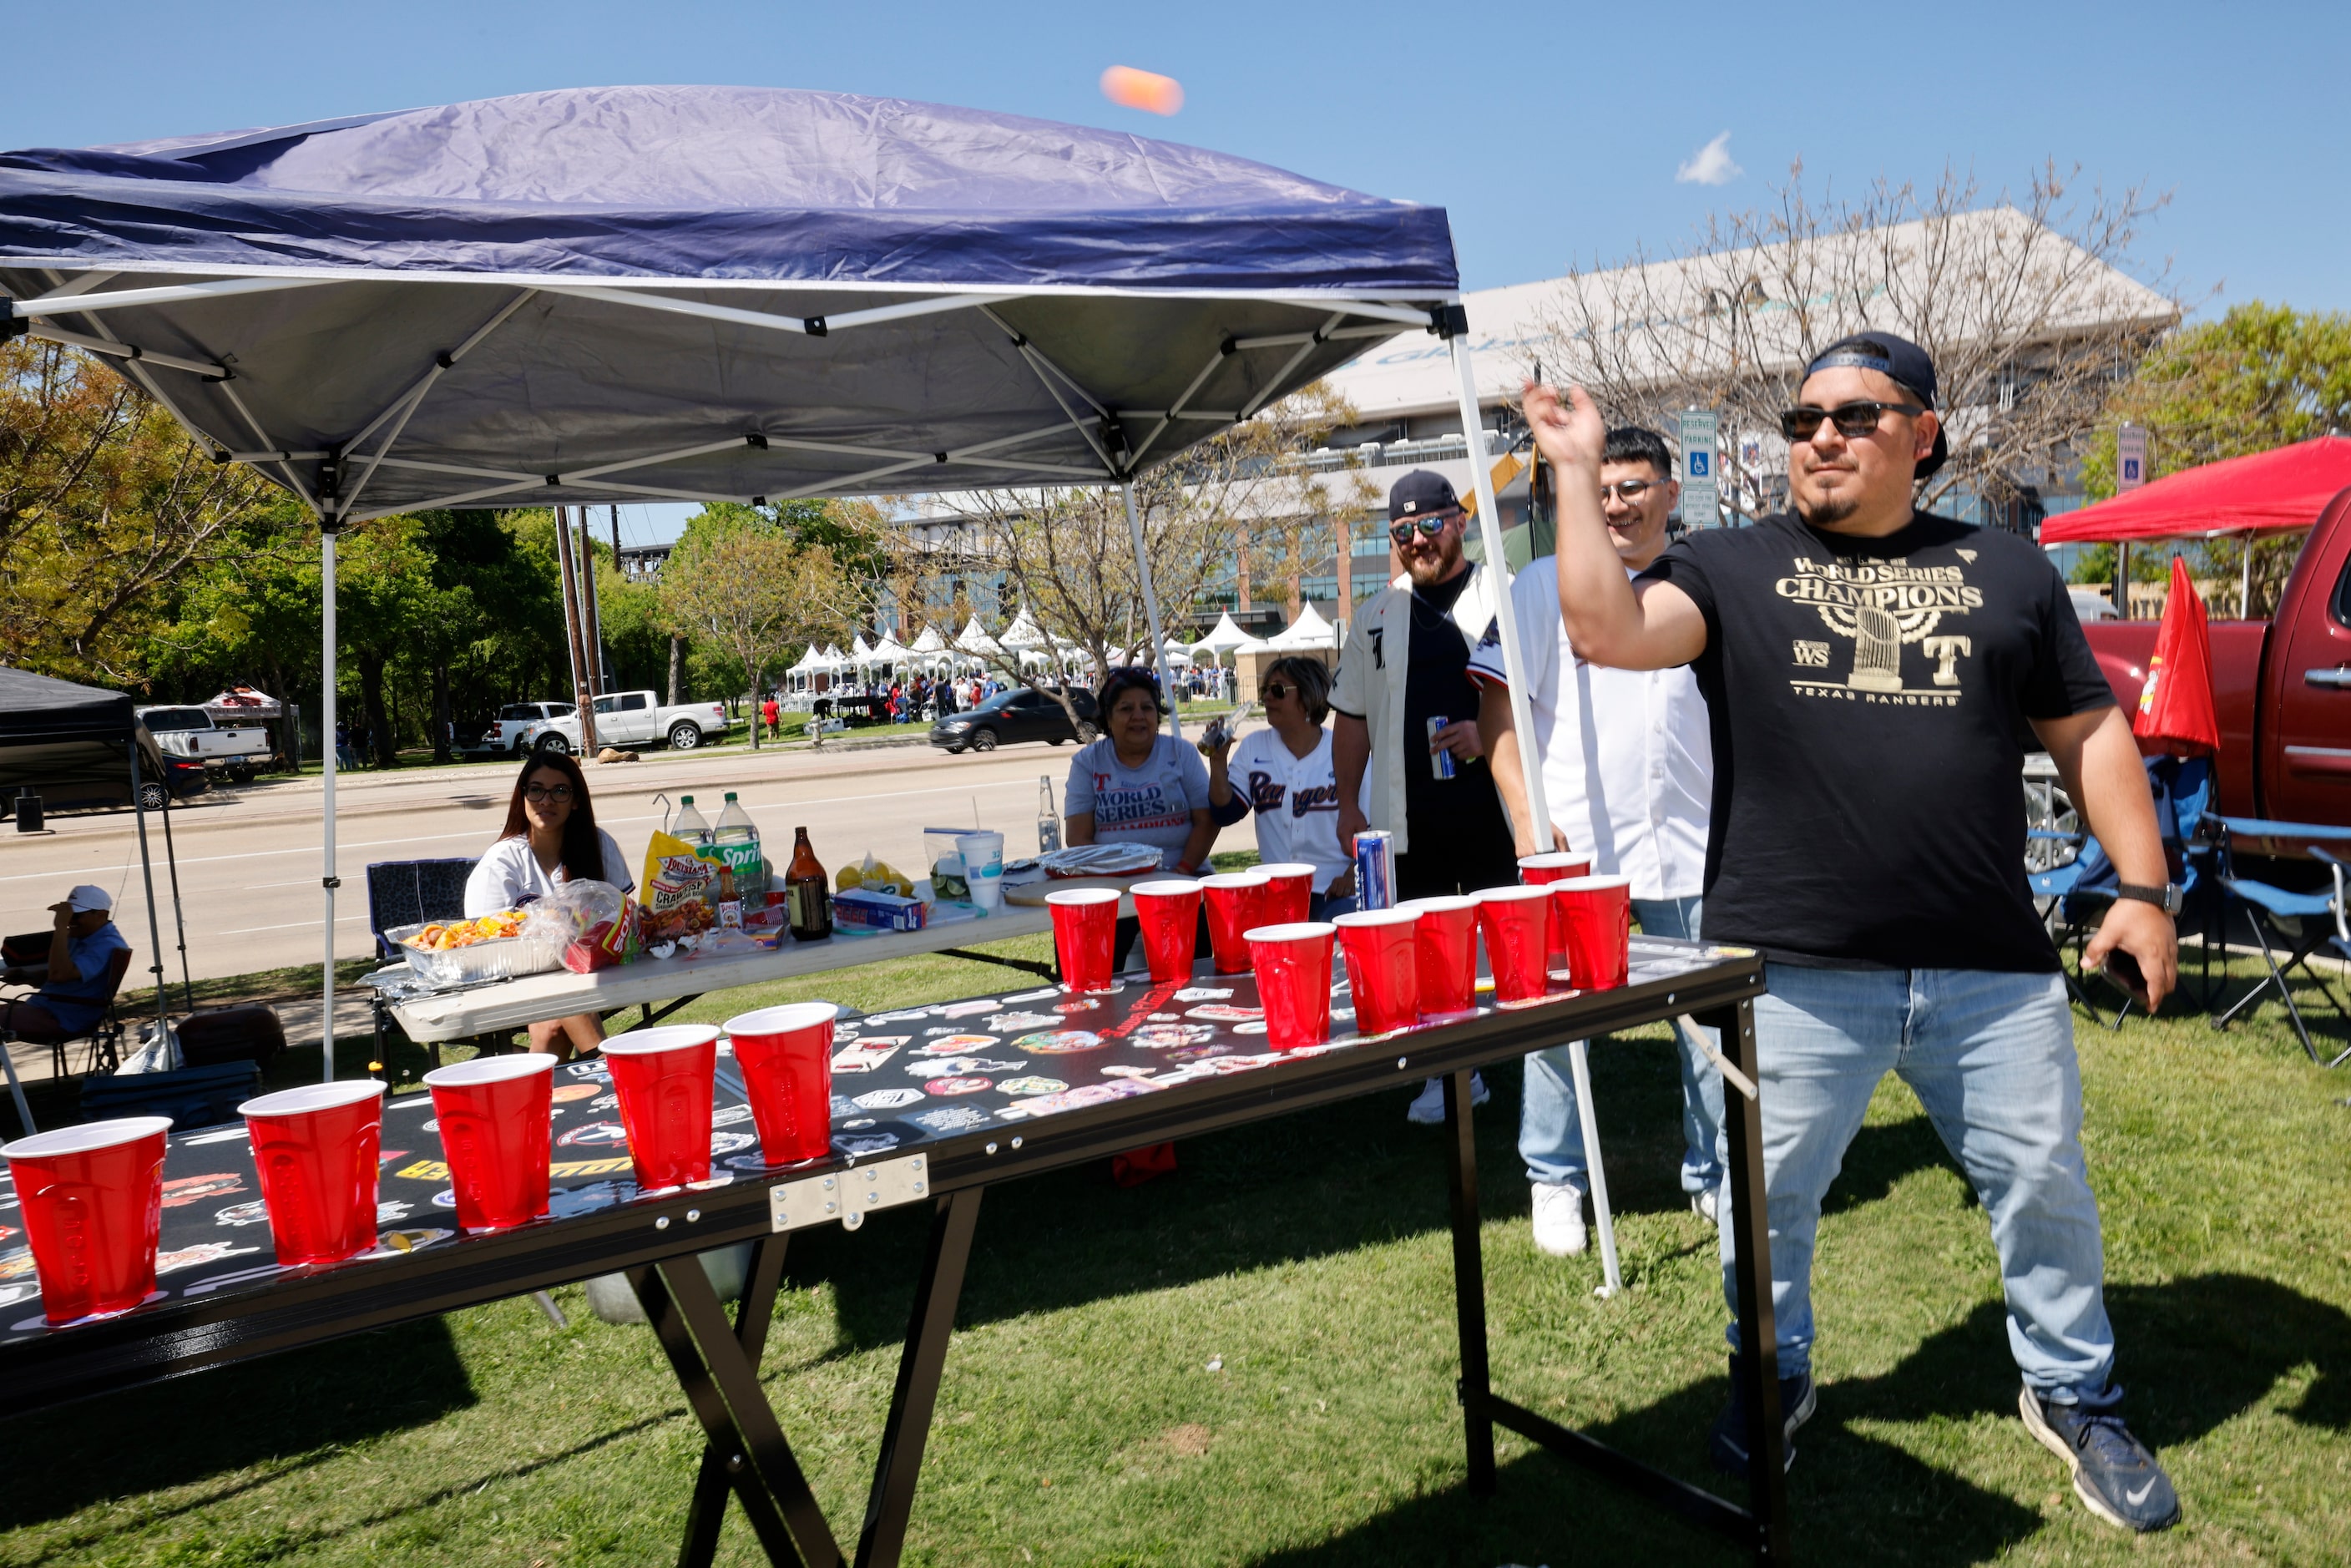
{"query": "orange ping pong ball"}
{"type": "Point", "coordinates": [1146, 91]}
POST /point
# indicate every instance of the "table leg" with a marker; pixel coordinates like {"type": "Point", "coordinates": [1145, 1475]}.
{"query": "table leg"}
{"type": "Point", "coordinates": [915, 1396]}
{"type": "Point", "coordinates": [1758, 1366]}
{"type": "Point", "coordinates": [722, 1386]}
{"type": "Point", "coordinates": [708, 1510]}
{"type": "Point", "coordinates": [1476, 1388]}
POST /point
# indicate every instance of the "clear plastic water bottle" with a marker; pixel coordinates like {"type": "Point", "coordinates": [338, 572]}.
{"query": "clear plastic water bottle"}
{"type": "Point", "coordinates": [1048, 821]}
{"type": "Point", "coordinates": [735, 827]}
{"type": "Point", "coordinates": [689, 824]}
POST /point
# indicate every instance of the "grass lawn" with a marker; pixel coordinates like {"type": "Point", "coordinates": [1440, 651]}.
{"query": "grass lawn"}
{"type": "Point", "coordinates": [1082, 1421]}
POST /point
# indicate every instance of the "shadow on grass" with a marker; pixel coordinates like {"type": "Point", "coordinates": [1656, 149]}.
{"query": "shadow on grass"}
{"type": "Point", "coordinates": [270, 1417]}
{"type": "Point", "coordinates": [2212, 1347]}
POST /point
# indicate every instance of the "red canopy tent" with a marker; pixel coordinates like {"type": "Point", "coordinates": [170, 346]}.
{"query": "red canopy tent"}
{"type": "Point", "coordinates": [2268, 493]}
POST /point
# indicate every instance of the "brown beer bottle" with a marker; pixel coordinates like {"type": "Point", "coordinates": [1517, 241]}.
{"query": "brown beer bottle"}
{"type": "Point", "coordinates": [808, 897]}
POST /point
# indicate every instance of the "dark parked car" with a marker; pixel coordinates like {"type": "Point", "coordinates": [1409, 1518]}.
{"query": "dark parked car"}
{"type": "Point", "coordinates": [81, 775]}
{"type": "Point", "coordinates": [1021, 713]}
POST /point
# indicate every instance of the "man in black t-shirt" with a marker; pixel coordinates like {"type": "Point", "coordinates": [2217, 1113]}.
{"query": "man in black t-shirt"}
{"type": "Point", "coordinates": [1870, 673]}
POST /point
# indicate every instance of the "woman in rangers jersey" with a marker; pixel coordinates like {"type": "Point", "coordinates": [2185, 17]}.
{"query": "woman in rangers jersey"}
{"type": "Point", "coordinates": [1286, 777]}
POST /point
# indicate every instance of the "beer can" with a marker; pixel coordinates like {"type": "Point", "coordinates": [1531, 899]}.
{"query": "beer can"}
{"type": "Point", "coordinates": [1440, 762]}
{"type": "Point", "coordinates": [1374, 869]}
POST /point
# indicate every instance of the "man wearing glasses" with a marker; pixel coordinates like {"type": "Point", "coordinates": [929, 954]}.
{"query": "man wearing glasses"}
{"type": "Point", "coordinates": [1628, 772]}
{"type": "Point", "coordinates": [1868, 672]}
{"type": "Point", "coordinates": [1404, 707]}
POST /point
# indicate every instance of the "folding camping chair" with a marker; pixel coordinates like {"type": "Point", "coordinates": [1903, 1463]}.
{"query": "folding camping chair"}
{"type": "Point", "coordinates": [2300, 920]}
{"type": "Point", "coordinates": [409, 893]}
{"type": "Point", "coordinates": [2182, 788]}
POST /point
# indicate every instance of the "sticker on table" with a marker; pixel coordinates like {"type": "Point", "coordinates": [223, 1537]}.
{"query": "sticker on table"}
{"type": "Point", "coordinates": [902, 1015]}
{"type": "Point", "coordinates": [1222, 1012]}
{"type": "Point", "coordinates": [1025, 1086]}
{"type": "Point", "coordinates": [728, 1115]}
{"type": "Point", "coordinates": [728, 1143]}
{"type": "Point", "coordinates": [16, 1264]}
{"type": "Point", "coordinates": [1031, 996]}
{"type": "Point", "coordinates": [1167, 1037]}
{"type": "Point", "coordinates": [1204, 993]}
{"type": "Point", "coordinates": [241, 1276]}
{"type": "Point", "coordinates": [963, 1067]}
{"type": "Point", "coordinates": [961, 1085]}
{"type": "Point", "coordinates": [956, 1045]}
{"type": "Point", "coordinates": [12, 1294]}
{"type": "Point", "coordinates": [1192, 1053]}
{"type": "Point", "coordinates": [253, 1213]}
{"type": "Point", "coordinates": [842, 1105]}
{"type": "Point", "coordinates": [1083, 1095]}
{"type": "Point", "coordinates": [1163, 1018]}
{"type": "Point", "coordinates": [445, 1199]}
{"type": "Point", "coordinates": [594, 1134]}
{"type": "Point", "coordinates": [386, 1212]}
{"type": "Point", "coordinates": [968, 1009]}
{"type": "Point", "coordinates": [201, 1253]}
{"type": "Point", "coordinates": [1225, 1066]}
{"type": "Point", "coordinates": [394, 1243]}
{"type": "Point", "coordinates": [216, 1136]}
{"type": "Point", "coordinates": [1006, 1023]}
{"type": "Point", "coordinates": [951, 1119]}
{"type": "Point", "coordinates": [185, 1190]}
{"type": "Point", "coordinates": [889, 1099]}
{"type": "Point", "coordinates": [433, 1125]}
{"type": "Point", "coordinates": [605, 1102]}
{"type": "Point", "coordinates": [860, 1145]}
{"type": "Point", "coordinates": [1082, 1005]}
{"type": "Point", "coordinates": [1122, 1070]}
{"type": "Point", "coordinates": [1060, 1042]}
{"type": "Point", "coordinates": [596, 1070]}
{"type": "Point", "coordinates": [566, 1202]}
{"type": "Point", "coordinates": [1255, 1026]}
{"type": "Point", "coordinates": [868, 1054]}
{"type": "Point", "coordinates": [564, 1094]}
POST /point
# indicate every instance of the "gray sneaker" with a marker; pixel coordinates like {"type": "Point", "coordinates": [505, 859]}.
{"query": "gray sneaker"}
{"type": "Point", "coordinates": [1725, 1444]}
{"type": "Point", "coordinates": [2114, 1473]}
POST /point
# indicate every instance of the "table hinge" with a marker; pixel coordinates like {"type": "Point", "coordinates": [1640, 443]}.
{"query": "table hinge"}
{"type": "Point", "coordinates": [849, 1195]}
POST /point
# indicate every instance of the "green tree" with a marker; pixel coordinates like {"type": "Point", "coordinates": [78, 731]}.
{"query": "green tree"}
{"type": "Point", "coordinates": [2262, 376]}
{"type": "Point", "coordinates": [741, 585]}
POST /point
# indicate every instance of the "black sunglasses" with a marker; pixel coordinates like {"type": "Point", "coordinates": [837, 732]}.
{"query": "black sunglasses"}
{"type": "Point", "coordinates": [1856, 418]}
{"type": "Point", "coordinates": [1429, 526]}
{"type": "Point", "coordinates": [1276, 689]}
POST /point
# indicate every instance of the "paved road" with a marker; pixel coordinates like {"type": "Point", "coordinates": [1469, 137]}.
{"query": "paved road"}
{"type": "Point", "coordinates": [249, 860]}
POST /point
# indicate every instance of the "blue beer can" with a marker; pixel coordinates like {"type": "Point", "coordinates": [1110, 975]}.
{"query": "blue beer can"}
{"type": "Point", "coordinates": [1375, 869]}
{"type": "Point", "coordinates": [1440, 762]}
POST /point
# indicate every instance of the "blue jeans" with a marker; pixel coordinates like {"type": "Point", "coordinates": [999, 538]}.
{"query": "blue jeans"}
{"type": "Point", "coordinates": [1550, 1133]}
{"type": "Point", "coordinates": [1991, 1056]}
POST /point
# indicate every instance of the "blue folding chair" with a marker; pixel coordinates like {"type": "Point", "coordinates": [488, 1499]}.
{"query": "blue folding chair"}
{"type": "Point", "coordinates": [2086, 885]}
{"type": "Point", "coordinates": [2302, 920]}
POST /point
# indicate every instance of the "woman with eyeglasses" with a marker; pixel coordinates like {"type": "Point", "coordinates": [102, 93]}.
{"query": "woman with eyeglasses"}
{"type": "Point", "coordinates": [1287, 781]}
{"type": "Point", "coordinates": [550, 837]}
{"type": "Point", "coordinates": [1138, 785]}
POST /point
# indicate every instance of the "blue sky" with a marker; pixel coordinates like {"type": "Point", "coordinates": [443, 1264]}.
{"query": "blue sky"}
{"type": "Point", "coordinates": [1550, 133]}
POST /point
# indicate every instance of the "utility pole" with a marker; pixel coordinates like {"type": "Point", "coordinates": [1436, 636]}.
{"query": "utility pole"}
{"type": "Point", "coordinates": [591, 620]}
{"type": "Point", "coordinates": [583, 700]}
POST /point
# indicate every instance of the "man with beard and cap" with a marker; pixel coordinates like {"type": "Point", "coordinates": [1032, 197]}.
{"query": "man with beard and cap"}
{"type": "Point", "coordinates": [1405, 708]}
{"type": "Point", "coordinates": [1870, 673]}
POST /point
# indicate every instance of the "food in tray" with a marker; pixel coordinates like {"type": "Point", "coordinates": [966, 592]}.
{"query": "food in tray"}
{"type": "Point", "coordinates": [1100, 859]}
{"type": "Point", "coordinates": [444, 936]}
{"type": "Point", "coordinates": [690, 918]}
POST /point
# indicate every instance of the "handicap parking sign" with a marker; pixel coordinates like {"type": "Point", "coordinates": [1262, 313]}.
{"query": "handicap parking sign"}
{"type": "Point", "coordinates": [1701, 464]}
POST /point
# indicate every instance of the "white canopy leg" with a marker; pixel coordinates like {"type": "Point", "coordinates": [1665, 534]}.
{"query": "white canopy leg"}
{"type": "Point", "coordinates": [328, 878]}
{"type": "Point", "coordinates": [1149, 613]}
{"type": "Point", "coordinates": [1490, 530]}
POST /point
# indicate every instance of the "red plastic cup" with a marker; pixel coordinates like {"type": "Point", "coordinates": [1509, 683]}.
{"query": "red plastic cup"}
{"type": "Point", "coordinates": [314, 1150]}
{"type": "Point", "coordinates": [1382, 966]}
{"type": "Point", "coordinates": [1516, 922]}
{"type": "Point", "coordinates": [1447, 938]}
{"type": "Point", "coordinates": [1169, 913]}
{"type": "Point", "coordinates": [1549, 867]}
{"type": "Point", "coordinates": [1598, 915]}
{"type": "Point", "coordinates": [1288, 893]}
{"type": "Point", "coordinates": [92, 1198]}
{"type": "Point", "coordinates": [786, 1055]}
{"type": "Point", "coordinates": [1236, 905]}
{"type": "Point", "coordinates": [664, 1076]}
{"type": "Point", "coordinates": [493, 1112]}
{"type": "Point", "coordinates": [1085, 929]}
{"type": "Point", "coordinates": [1293, 981]}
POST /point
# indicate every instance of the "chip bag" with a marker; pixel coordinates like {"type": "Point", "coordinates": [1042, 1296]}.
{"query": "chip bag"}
{"type": "Point", "coordinates": [679, 892]}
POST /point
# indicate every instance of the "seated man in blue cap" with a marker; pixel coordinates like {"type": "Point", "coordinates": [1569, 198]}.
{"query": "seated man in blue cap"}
{"type": "Point", "coordinates": [1869, 670]}
{"type": "Point", "coordinates": [75, 979]}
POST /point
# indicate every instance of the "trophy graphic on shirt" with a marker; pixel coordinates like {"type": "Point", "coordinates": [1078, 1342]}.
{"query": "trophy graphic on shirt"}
{"type": "Point", "coordinates": [1876, 651]}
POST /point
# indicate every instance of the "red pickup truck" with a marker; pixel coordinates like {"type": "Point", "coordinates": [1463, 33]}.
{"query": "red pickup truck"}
{"type": "Point", "coordinates": [2283, 687]}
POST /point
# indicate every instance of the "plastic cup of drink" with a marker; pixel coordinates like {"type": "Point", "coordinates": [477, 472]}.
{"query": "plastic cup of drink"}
{"type": "Point", "coordinates": [1085, 929]}
{"type": "Point", "coordinates": [1549, 867]}
{"type": "Point", "coordinates": [1293, 981]}
{"type": "Point", "coordinates": [1597, 911]}
{"type": "Point", "coordinates": [1169, 914]}
{"type": "Point", "coordinates": [664, 1076]}
{"type": "Point", "coordinates": [314, 1150]}
{"type": "Point", "coordinates": [1447, 938]}
{"type": "Point", "coordinates": [1235, 903]}
{"type": "Point", "coordinates": [92, 1198]}
{"type": "Point", "coordinates": [1288, 892]}
{"type": "Point", "coordinates": [1516, 922]}
{"type": "Point", "coordinates": [1382, 966]}
{"type": "Point", "coordinates": [786, 1055]}
{"type": "Point", "coordinates": [983, 867]}
{"type": "Point", "coordinates": [493, 1112]}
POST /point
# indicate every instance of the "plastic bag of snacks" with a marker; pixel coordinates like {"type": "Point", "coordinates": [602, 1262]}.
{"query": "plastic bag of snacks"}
{"type": "Point", "coordinates": [679, 892]}
{"type": "Point", "coordinates": [574, 918]}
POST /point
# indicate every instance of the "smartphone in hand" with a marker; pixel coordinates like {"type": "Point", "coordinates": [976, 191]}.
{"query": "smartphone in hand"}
{"type": "Point", "coordinates": [2122, 970]}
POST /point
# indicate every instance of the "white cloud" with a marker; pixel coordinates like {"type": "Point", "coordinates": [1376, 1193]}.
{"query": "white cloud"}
{"type": "Point", "coordinates": [1711, 165]}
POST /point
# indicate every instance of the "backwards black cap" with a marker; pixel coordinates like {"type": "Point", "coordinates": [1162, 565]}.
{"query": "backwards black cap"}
{"type": "Point", "coordinates": [1422, 492]}
{"type": "Point", "coordinates": [1899, 359]}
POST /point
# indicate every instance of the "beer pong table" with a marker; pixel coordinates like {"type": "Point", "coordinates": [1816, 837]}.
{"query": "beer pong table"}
{"type": "Point", "coordinates": [932, 1106]}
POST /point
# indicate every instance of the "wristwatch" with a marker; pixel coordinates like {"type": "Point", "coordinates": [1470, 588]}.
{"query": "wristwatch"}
{"type": "Point", "coordinates": [2171, 897]}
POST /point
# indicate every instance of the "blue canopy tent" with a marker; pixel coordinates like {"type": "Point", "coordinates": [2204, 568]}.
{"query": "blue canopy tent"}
{"type": "Point", "coordinates": [706, 294]}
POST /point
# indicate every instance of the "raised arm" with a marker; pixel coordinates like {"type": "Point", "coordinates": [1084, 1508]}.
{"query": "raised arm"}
{"type": "Point", "coordinates": [1628, 626]}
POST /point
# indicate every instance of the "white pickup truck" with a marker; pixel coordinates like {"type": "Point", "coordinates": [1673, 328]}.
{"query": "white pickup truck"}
{"type": "Point", "coordinates": [505, 737]}
{"type": "Point", "coordinates": [632, 718]}
{"type": "Point", "coordinates": [189, 733]}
